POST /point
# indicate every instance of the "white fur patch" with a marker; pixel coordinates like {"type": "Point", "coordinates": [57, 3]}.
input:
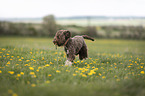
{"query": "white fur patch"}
{"type": "Point", "coordinates": [68, 63]}
{"type": "Point", "coordinates": [67, 52]}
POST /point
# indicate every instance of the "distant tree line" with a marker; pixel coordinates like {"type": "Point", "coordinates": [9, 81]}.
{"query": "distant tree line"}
{"type": "Point", "coordinates": [48, 28]}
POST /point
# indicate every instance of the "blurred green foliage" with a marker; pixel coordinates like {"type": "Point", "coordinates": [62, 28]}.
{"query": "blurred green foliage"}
{"type": "Point", "coordinates": [49, 27]}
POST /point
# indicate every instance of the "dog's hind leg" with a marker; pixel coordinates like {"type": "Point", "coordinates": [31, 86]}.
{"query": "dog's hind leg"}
{"type": "Point", "coordinates": [83, 54]}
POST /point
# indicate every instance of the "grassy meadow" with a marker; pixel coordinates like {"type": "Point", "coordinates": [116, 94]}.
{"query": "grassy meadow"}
{"type": "Point", "coordinates": [34, 67]}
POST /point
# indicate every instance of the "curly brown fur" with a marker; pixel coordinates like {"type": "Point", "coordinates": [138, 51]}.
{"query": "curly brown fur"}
{"type": "Point", "coordinates": [72, 46]}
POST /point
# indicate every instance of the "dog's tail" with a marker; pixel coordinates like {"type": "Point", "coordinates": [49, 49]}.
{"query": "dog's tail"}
{"type": "Point", "coordinates": [87, 37]}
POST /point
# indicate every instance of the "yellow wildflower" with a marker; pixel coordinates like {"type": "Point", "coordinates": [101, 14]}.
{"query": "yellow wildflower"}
{"type": "Point", "coordinates": [8, 62]}
{"type": "Point", "coordinates": [31, 68]}
{"type": "Point", "coordinates": [47, 81]}
{"type": "Point", "coordinates": [18, 75]}
{"type": "Point", "coordinates": [142, 72]}
{"type": "Point", "coordinates": [57, 71]}
{"type": "Point", "coordinates": [31, 73]}
{"type": "Point", "coordinates": [0, 71]}
{"type": "Point", "coordinates": [47, 65]}
{"type": "Point", "coordinates": [84, 75]}
{"type": "Point", "coordinates": [42, 58]}
{"type": "Point", "coordinates": [74, 74]}
{"type": "Point", "coordinates": [11, 72]}
{"type": "Point", "coordinates": [3, 49]}
{"type": "Point", "coordinates": [22, 73]}
{"type": "Point", "coordinates": [103, 77]}
{"type": "Point", "coordinates": [128, 66]}
{"type": "Point", "coordinates": [49, 75]}
{"type": "Point", "coordinates": [14, 94]}
{"type": "Point", "coordinates": [90, 73]}
{"type": "Point", "coordinates": [33, 85]}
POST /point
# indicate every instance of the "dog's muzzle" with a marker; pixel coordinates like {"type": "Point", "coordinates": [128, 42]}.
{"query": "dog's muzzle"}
{"type": "Point", "coordinates": [56, 43]}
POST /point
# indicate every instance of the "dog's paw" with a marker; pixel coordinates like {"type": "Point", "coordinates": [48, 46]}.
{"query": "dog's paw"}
{"type": "Point", "coordinates": [68, 63]}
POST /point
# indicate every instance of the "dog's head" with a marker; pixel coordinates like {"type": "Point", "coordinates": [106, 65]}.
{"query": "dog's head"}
{"type": "Point", "coordinates": [61, 36]}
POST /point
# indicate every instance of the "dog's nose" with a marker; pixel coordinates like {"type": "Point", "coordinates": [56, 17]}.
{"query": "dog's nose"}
{"type": "Point", "coordinates": [54, 41]}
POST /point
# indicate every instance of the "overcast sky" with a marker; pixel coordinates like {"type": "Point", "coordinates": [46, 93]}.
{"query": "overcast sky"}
{"type": "Point", "coordinates": [63, 8]}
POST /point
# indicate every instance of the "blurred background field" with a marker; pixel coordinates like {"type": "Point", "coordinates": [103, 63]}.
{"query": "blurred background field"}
{"type": "Point", "coordinates": [95, 26]}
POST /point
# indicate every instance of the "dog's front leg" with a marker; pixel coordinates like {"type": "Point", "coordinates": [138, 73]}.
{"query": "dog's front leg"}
{"type": "Point", "coordinates": [70, 58]}
{"type": "Point", "coordinates": [68, 63]}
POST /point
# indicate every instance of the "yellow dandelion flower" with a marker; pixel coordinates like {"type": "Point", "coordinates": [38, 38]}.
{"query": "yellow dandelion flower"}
{"type": "Point", "coordinates": [3, 49]}
{"type": "Point", "coordinates": [8, 62]}
{"type": "Point", "coordinates": [27, 60]}
{"type": "Point", "coordinates": [22, 73]}
{"type": "Point", "coordinates": [128, 66]}
{"type": "Point", "coordinates": [47, 81]}
{"type": "Point", "coordinates": [141, 66]}
{"type": "Point", "coordinates": [100, 74]}
{"type": "Point", "coordinates": [96, 69]}
{"type": "Point", "coordinates": [76, 71]}
{"type": "Point", "coordinates": [79, 68]}
{"type": "Point", "coordinates": [90, 73]}
{"type": "Point", "coordinates": [18, 75]}
{"type": "Point", "coordinates": [14, 94]}
{"type": "Point", "coordinates": [20, 59]}
{"type": "Point", "coordinates": [31, 68]}
{"type": "Point", "coordinates": [74, 74]}
{"type": "Point", "coordinates": [30, 52]}
{"type": "Point", "coordinates": [17, 64]}
{"type": "Point", "coordinates": [31, 73]}
{"type": "Point", "coordinates": [7, 54]}
{"type": "Point", "coordinates": [103, 77]}
{"type": "Point", "coordinates": [33, 85]}
{"type": "Point", "coordinates": [49, 75]}
{"type": "Point", "coordinates": [42, 58]}
{"type": "Point", "coordinates": [11, 72]}
{"type": "Point", "coordinates": [47, 65]}
{"type": "Point", "coordinates": [0, 71]}
{"type": "Point", "coordinates": [141, 63]}
{"type": "Point", "coordinates": [26, 64]}
{"type": "Point", "coordinates": [34, 76]}
{"type": "Point", "coordinates": [78, 61]}
{"type": "Point", "coordinates": [57, 71]}
{"type": "Point", "coordinates": [142, 72]}
{"type": "Point", "coordinates": [84, 75]}
{"type": "Point", "coordinates": [51, 63]}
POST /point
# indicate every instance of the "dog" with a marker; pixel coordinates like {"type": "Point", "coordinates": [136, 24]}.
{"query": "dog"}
{"type": "Point", "coordinates": [72, 46]}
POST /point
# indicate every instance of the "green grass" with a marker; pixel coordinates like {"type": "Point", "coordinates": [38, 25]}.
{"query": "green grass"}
{"type": "Point", "coordinates": [33, 67]}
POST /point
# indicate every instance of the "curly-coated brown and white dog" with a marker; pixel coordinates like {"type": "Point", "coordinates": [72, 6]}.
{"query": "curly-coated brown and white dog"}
{"type": "Point", "coordinates": [72, 46]}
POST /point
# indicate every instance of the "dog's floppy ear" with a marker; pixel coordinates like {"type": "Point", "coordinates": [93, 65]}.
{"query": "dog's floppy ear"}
{"type": "Point", "coordinates": [67, 34]}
